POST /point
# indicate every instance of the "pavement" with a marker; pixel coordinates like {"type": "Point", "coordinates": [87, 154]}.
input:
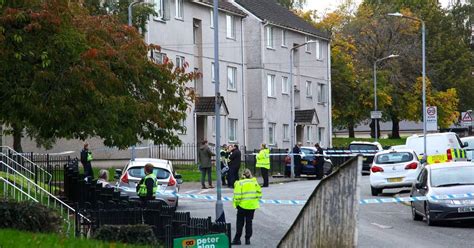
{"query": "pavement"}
{"type": "Point", "coordinates": [379, 225]}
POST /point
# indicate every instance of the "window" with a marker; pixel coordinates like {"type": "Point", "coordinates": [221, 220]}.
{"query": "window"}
{"type": "Point", "coordinates": [230, 26]}
{"type": "Point", "coordinates": [283, 38]}
{"type": "Point", "coordinates": [159, 58]}
{"type": "Point", "coordinates": [271, 133]}
{"type": "Point", "coordinates": [178, 9]}
{"type": "Point", "coordinates": [307, 47]}
{"type": "Point", "coordinates": [286, 132]}
{"type": "Point", "coordinates": [232, 130]}
{"type": "Point", "coordinates": [213, 72]}
{"type": "Point", "coordinates": [319, 51]}
{"type": "Point", "coordinates": [321, 135]}
{"type": "Point", "coordinates": [213, 125]}
{"type": "Point", "coordinates": [269, 34]}
{"type": "Point", "coordinates": [212, 18]}
{"type": "Point", "coordinates": [322, 92]}
{"type": "Point", "coordinates": [159, 9]}
{"type": "Point", "coordinates": [231, 78]}
{"type": "Point", "coordinates": [196, 31]}
{"type": "Point", "coordinates": [285, 85]}
{"type": "Point", "coordinates": [309, 90]}
{"type": "Point", "coordinates": [182, 123]}
{"type": "Point", "coordinates": [179, 61]}
{"type": "Point", "coordinates": [271, 85]}
{"type": "Point", "coordinates": [308, 133]}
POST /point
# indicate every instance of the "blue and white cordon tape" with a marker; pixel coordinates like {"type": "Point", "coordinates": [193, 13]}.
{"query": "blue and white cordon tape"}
{"type": "Point", "coordinates": [363, 202]}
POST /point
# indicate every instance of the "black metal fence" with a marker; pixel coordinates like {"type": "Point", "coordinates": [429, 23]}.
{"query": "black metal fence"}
{"type": "Point", "coordinates": [105, 206]}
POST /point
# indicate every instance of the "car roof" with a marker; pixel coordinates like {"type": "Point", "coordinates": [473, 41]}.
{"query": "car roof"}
{"type": "Point", "coordinates": [395, 150]}
{"type": "Point", "coordinates": [158, 163]}
{"type": "Point", "coordinates": [457, 164]}
{"type": "Point", "coordinates": [365, 143]}
{"type": "Point", "coordinates": [309, 147]}
{"type": "Point", "coordinates": [432, 134]}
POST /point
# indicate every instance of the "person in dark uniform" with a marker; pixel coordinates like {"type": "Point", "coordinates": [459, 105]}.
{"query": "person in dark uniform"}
{"type": "Point", "coordinates": [319, 161]}
{"type": "Point", "coordinates": [235, 159]}
{"type": "Point", "coordinates": [296, 151]}
{"type": "Point", "coordinates": [147, 187]}
{"type": "Point", "coordinates": [86, 159]}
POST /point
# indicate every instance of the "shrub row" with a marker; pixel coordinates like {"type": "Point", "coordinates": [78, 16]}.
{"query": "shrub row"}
{"type": "Point", "coordinates": [130, 234]}
{"type": "Point", "coordinates": [28, 216]}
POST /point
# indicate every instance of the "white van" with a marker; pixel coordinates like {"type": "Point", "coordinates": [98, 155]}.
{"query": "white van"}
{"type": "Point", "coordinates": [440, 147]}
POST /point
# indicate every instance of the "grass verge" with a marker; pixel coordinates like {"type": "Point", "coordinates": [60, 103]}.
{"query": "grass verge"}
{"type": "Point", "coordinates": [344, 142]}
{"type": "Point", "coordinates": [14, 238]}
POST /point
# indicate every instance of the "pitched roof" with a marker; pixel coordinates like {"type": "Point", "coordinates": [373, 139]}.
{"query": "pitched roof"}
{"type": "Point", "coordinates": [205, 105]}
{"type": "Point", "coordinates": [271, 11]}
{"type": "Point", "coordinates": [225, 6]}
{"type": "Point", "coordinates": [306, 117]}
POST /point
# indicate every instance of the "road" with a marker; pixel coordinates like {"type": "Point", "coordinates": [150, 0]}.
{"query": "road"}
{"type": "Point", "coordinates": [380, 225]}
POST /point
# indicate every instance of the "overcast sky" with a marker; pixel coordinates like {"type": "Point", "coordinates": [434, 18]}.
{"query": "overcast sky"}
{"type": "Point", "coordinates": [323, 6]}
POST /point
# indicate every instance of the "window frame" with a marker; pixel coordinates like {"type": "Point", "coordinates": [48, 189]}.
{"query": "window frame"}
{"type": "Point", "coordinates": [234, 78]}
{"type": "Point", "coordinates": [160, 11]}
{"type": "Point", "coordinates": [307, 47]}
{"type": "Point", "coordinates": [309, 135]}
{"type": "Point", "coordinates": [181, 60]}
{"type": "Point", "coordinates": [269, 37]}
{"type": "Point", "coordinates": [183, 124]}
{"type": "Point", "coordinates": [179, 11]}
{"type": "Point", "coordinates": [320, 134]}
{"type": "Point", "coordinates": [232, 26]}
{"type": "Point", "coordinates": [286, 132]}
{"type": "Point", "coordinates": [309, 89]}
{"type": "Point", "coordinates": [233, 126]}
{"type": "Point", "coordinates": [271, 86]}
{"type": "Point", "coordinates": [284, 36]}
{"type": "Point", "coordinates": [213, 72]}
{"type": "Point", "coordinates": [322, 93]}
{"type": "Point", "coordinates": [212, 18]}
{"type": "Point", "coordinates": [271, 133]}
{"type": "Point", "coordinates": [319, 51]}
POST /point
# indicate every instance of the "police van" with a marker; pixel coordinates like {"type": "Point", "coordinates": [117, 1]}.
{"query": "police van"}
{"type": "Point", "coordinates": [440, 147]}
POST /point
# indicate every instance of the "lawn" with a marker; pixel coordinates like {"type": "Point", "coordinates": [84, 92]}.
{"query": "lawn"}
{"type": "Point", "coordinates": [14, 238]}
{"type": "Point", "coordinates": [344, 142]}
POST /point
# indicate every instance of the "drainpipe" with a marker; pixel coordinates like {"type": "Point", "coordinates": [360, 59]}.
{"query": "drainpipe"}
{"type": "Point", "coordinates": [329, 97]}
{"type": "Point", "coordinates": [244, 107]}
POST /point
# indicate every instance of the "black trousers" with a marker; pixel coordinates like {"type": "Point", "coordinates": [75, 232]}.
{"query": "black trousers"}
{"type": "Point", "coordinates": [232, 176]}
{"type": "Point", "coordinates": [244, 217]}
{"type": "Point", "coordinates": [88, 172]}
{"type": "Point", "coordinates": [264, 176]}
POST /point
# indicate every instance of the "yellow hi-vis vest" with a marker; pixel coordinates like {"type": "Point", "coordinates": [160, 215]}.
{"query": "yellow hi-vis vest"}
{"type": "Point", "coordinates": [247, 193]}
{"type": "Point", "coordinates": [263, 159]}
{"type": "Point", "coordinates": [143, 191]}
{"type": "Point", "coordinates": [452, 154]}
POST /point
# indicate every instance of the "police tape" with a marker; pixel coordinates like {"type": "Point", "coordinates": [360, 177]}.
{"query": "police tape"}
{"type": "Point", "coordinates": [342, 154]}
{"type": "Point", "coordinates": [466, 196]}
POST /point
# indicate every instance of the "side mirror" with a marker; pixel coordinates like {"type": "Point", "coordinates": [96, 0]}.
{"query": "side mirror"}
{"type": "Point", "coordinates": [179, 178]}
{"type": "Point", "coordinates": [465, 144]}
{"type": "Point", "coordinates": [118, 173]}
{"type": "Point", "coordinates": [423, 161]}
{"type": "Point", "coordinates": [418, 185]}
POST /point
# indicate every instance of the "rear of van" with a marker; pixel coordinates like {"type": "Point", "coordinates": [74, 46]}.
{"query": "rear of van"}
{"type": "Point", "coordinates": [440, 147]}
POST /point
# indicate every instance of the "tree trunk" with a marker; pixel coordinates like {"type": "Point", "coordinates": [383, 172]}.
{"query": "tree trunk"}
{"type": "Point", "coordinates": [350, 127]}
{"type": "Point", "coordinates": [372, 128]}
{"type": "Point", "coordinates": [17, 135]}
{"type": "Point", "coordinates": [395, 128]}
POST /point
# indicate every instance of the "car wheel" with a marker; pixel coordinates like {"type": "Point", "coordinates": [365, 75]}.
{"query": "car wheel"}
{"type": "Point", "coordinates": [375, 191]}
{"type": "Point", "coordinates": [414, 214]}
{"type": "Point", "coordinates": [429, 221]}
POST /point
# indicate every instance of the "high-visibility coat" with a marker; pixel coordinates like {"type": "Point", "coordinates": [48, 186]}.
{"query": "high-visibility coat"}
{"type": "Point", "coordinates": [263, 159]}
{"type": "Point", "coordinates": [89, 156]}
{"type": "Point", "coordinates": [247, 193]}
{"type": "Point", "coordinates": [143, 191]}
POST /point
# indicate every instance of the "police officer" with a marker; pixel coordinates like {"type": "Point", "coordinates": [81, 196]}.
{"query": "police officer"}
{"type": "Point", "coordinates": [86, 159]}
{"type": "Point", "coordinates": [147, 187]}
{"type": "Point", "coordinates": [263, 162]}
{"type": "Point", "coordinates": [247, 193]}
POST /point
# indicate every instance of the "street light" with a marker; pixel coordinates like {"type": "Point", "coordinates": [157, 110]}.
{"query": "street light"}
{"type": "Point", "coordinates": [292, 106]}
{"type": "Point", "coordinates": [423, 32]}
{"type": "Point", "coordinates": [375, 89]}
{"type": "Point", "coordinates": [130, 11]}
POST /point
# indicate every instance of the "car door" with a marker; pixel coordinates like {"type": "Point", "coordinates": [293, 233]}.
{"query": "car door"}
{"type": "Point", "coordinates": [421, 191]}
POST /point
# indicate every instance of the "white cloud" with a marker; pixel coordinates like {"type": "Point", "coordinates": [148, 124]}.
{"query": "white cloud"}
{"type": "Point", "coordinates": [323, 6]}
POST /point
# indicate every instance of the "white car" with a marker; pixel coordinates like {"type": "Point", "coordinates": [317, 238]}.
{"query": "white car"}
{"type": "Point", "coordinates": [470, 147]}
{"type": "Point", "coordinates": [133, 172]}
{"type": "Point", "coordinates": [394, 169]}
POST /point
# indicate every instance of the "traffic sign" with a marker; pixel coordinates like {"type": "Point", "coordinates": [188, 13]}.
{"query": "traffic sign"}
{"type": "Point", "coordinates": [466, 119]}
{"type": "Point", "coordinates": [376, 114]}
{"type": "Point", "coordinates": [431, 118]}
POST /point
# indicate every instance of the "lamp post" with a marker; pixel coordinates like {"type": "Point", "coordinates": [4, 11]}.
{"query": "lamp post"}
{"type": "Point", "coordinates": [423, 55]}
{"type": "Point", "coordinates": [130, 11]}
{"type": "Point", "coordinates": [375, 90]}
{"type": "Point", "coordinates": [292, 106]}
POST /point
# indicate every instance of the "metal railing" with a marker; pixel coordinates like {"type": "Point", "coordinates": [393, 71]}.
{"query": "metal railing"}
{"type": "Point", "coordinates": [19, 187]}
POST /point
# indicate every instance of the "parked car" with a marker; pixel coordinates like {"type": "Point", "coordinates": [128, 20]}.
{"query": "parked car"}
{"type": "Point", "coordinates": [168, 181]}
{"type": "Point", "coordinates": [394, 169]}
{"type": "Point", "coordinates": [469, 141]}
{"type": "Point", "coordinates": [370, 147]}
{"type": "Point", "coordinates": [443, 179]}
{"type": "Point", "coordinates": [308, 161]}
{"type": "Point", "coordinates": [441, 147]}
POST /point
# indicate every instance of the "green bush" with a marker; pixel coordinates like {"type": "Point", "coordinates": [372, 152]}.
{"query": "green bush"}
{"type": "Point", "coordinates": [131, 234]}
{"type": "Point", "coordinates": [28, 216]}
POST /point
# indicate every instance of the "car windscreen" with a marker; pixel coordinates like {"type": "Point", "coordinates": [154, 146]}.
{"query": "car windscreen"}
{"type": "Point", "coordinates": [140, 173]}
{"type": "Point", "coordinates": [394, 158]}
{"type": "Point", "coordinates": [452, 176]}
{"type": "Point", "coordinates": [363, 147]}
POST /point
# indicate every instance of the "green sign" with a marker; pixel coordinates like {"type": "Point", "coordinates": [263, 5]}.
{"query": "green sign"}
{"type": "Point", "coordinates": [205, 241]}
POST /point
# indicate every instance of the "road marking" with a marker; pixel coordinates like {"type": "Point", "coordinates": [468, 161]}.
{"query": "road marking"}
{"type": "Point", "coordinates": [381, 226]}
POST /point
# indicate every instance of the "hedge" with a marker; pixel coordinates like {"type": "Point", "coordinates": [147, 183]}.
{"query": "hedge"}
{"type": "Point", "coordinates": [131, 234]}
{"type": "Point", "coordinates": [28, 216]}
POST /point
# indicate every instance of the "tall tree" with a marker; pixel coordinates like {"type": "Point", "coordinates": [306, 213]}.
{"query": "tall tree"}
{"type": "Point", "coordinates": [292, 4]}
{"type": "Point", "coordinates": [65, 73]}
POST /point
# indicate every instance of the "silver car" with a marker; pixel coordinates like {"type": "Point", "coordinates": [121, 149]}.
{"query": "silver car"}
{"type": "Point", "coordinates": [168, 182]}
